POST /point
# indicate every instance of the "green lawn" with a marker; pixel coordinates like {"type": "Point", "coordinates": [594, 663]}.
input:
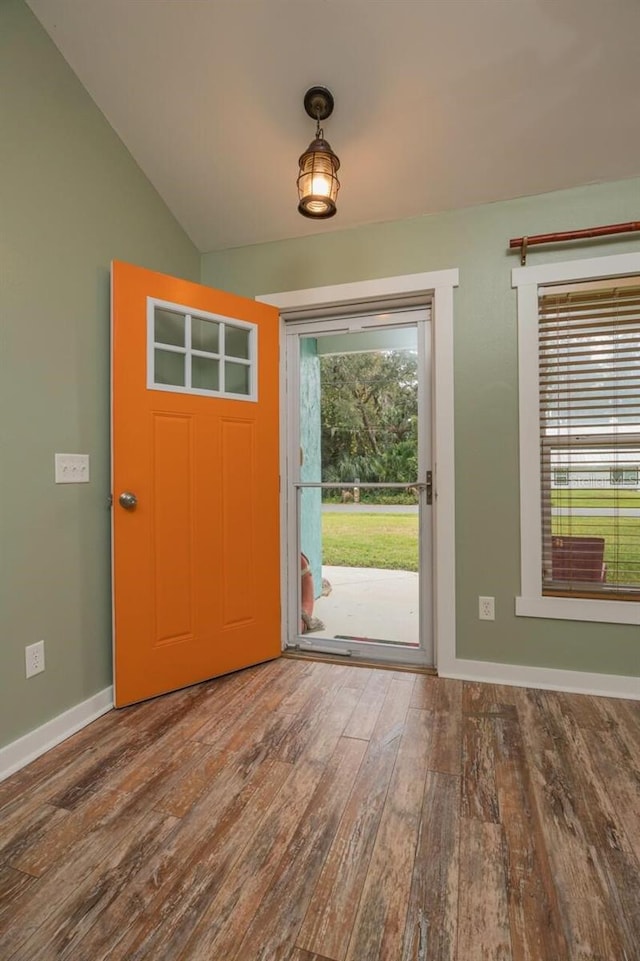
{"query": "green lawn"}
{"type": "Point", "coordinates": [384, 541]}
{"type": "Point", "coordinates": [563, 497]}
{"type": "Point", "coordinates": [391, 540]}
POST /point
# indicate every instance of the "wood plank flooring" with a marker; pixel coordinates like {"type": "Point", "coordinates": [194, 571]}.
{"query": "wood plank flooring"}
{"type": "Point", "coordinates": [303, 811]}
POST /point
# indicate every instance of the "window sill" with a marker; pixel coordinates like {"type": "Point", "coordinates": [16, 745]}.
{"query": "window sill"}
{"type": "Point", "coordinates": [579, 609]}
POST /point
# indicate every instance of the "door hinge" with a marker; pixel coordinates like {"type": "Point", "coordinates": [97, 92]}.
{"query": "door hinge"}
{"type": "Point", "coordinates": [429, 487]}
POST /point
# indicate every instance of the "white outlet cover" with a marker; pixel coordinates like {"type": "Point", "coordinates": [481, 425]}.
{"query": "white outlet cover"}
{"type": "Point", "coordinates": [71, 468]}
{"type": "Point", "coordinates": [486, 608]}
{"type": "Point", "coordinates": [34, 658]}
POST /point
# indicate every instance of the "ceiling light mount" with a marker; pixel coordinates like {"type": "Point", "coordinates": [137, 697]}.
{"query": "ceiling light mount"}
{"type": "Point", "coordinates": [318, 182]}
{"type": "Point", "coordinates": [318, 102]}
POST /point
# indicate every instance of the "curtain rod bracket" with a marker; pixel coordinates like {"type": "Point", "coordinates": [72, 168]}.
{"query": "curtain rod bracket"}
{"type": "Point", "coordinates": [523, 251]}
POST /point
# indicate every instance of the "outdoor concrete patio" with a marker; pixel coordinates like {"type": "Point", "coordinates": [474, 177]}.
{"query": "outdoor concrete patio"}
{"type": "Point", "coordinates": [370, 604]}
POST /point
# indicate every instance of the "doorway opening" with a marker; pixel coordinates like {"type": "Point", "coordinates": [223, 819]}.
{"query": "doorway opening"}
{"type": "Point", "coordinates": [358, 487]}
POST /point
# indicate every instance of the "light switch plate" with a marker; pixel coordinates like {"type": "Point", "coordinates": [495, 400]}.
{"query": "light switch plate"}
{"type": "Point", "coordinates": [72, 468]}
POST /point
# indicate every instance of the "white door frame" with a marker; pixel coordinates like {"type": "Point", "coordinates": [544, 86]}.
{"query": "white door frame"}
{"type": "Point", "coordinates": [434, 289]}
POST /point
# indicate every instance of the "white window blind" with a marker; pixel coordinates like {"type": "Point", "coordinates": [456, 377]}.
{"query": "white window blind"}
{"type": "Point", "coordinates": [589, 382]}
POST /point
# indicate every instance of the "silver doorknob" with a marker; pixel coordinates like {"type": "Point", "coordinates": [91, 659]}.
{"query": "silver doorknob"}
{"type": "Point", "coordinates": [128, 501]}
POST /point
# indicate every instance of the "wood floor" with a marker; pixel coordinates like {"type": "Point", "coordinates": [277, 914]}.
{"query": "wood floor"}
{"type": "Point", "coordinates": [305, 811]}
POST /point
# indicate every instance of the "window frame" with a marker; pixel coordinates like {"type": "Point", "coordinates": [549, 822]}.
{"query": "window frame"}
{"type": "Point", "coordinates": [531, 602]}
{"type": "Point", "coordinates": [189, 352]}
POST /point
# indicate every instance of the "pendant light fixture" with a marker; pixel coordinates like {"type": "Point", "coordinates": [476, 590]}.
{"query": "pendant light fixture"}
{"type": "Point", "coordinates": [318, 182]}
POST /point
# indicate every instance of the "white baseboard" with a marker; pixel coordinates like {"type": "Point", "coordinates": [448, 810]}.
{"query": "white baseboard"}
{"type": "Point", "coordinates": [32, 745]}
{"type": "Point", "coordinates": [515, 675]}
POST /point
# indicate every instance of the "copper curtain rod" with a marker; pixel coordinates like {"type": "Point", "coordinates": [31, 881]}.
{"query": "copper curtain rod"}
{"type": "Point", "coordinates": [525, 242]}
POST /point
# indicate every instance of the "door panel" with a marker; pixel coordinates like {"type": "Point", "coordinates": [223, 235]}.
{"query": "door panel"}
{"type": "Point", "coordinates": [242, 569]}
{"type": "Point", "coordinates": [196, 561]}
{"type": "Point", "coordinates": [173, 529]}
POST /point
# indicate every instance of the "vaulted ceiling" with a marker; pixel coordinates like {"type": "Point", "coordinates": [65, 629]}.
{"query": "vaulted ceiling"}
{"type": "Point", "coordinates": [439, 104]}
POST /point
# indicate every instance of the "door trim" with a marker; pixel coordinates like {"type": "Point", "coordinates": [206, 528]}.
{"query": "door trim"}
{"type": "Point", "coordinates": [431, 289]}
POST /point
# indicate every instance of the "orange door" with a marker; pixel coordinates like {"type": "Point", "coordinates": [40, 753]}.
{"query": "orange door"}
{"type": "Point", "coordinates": [195, 452]}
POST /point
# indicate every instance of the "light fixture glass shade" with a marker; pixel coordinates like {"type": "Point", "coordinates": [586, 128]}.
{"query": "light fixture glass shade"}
{"type": "Point", "coordinates": [318, 182]}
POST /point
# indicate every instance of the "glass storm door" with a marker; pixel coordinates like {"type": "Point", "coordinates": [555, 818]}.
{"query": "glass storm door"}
{"type": "Point", "coordinates": [195, 463]}
{"type": "Point", "coordinates": [359, 487]}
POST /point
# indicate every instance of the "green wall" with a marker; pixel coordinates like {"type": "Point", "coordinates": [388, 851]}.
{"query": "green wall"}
{"type": "Point", "coordinates": [486, 404]}
{"type": "Point", "coordinates": [71, 199]}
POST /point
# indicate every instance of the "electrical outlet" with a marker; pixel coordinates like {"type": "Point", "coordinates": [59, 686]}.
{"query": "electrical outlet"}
{"type": "Point", "coordinates": [486, 609]}
{"type": "Point", "coordinates": [34, 658]}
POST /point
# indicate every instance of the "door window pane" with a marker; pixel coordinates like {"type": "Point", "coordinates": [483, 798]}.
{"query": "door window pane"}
{"type": "Point", "coordinates": [205, 335]}
{"type": "Point", "coordinates": [205, 373]}
{"type": "Point", "coordinates": [236, 342]}
{"type": "Point", "coordinates": [169, 368]}
{"type": "Point", "coordinates": [169, 328]}
{"type": "Point", "coordinates": [236, 378]}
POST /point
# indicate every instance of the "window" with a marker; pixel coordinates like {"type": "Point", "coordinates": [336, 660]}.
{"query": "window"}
{"type": "Point", "coordinates": [579, 333]}
{"type": "Point", "coordinates": [200, 353]}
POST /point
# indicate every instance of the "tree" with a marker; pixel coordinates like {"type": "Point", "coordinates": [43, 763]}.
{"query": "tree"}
{"type": "Point", "coordinates": [369, 413]}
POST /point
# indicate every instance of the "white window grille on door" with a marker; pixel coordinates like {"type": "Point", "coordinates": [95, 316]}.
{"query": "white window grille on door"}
{"type": "Point", "coordinates": [200, 353]}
